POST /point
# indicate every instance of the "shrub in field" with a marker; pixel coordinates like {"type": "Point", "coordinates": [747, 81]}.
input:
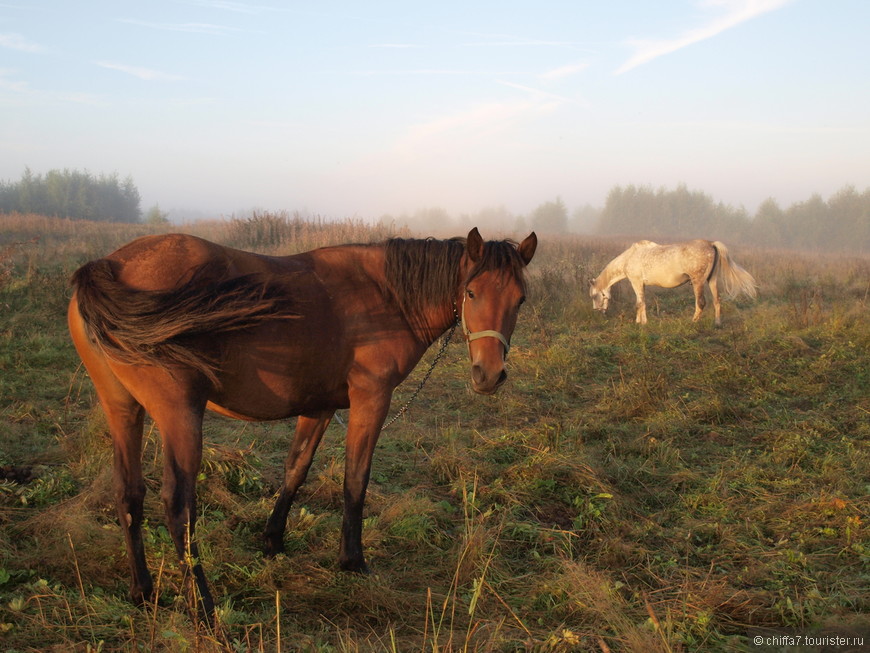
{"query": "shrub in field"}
{"type": "Point", "coordinates": [283, 233]}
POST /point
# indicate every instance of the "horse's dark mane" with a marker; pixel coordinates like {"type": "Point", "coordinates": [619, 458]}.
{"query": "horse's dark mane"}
{"type": "Point", "coordinates": [422, 273]}
{"type": "Point", "coordinates": [425, 272]}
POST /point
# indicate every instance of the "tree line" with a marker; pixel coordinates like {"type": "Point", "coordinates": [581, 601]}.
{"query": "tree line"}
{"type": "Point", "coordinates": [840, 223]}
{"type": "Point", "coordinates": [73, 194]}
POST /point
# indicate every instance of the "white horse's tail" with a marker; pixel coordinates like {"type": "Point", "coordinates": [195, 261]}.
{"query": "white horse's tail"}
{"type": "Point", "coordinates": [735, 279]}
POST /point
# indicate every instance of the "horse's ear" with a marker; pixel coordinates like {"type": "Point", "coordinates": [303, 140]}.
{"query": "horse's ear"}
{"type": "Point", "coordinates": [527, 248]}
{"type": "Point", "coordinates": [474, 245]}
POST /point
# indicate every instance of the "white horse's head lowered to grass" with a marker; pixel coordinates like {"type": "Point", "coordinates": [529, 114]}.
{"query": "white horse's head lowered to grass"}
{"type": "Point", "coordinates": [600, 296]}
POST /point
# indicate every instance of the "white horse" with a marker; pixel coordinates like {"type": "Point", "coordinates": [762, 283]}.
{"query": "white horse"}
{"type": "Point", "coordinates": [647, 264]}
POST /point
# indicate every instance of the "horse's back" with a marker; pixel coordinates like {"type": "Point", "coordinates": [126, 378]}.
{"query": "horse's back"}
{"type": "Point", "coordinates": [672, 264]}
{"type": "Point", "coordinates": [686, 252]}
{"type": "Point", "coordinates": [163, 261]}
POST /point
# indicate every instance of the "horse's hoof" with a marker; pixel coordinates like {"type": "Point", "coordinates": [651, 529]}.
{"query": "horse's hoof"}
{"type": "Point", "coordinates": [141, 597]}
{"type": "Point", "coordinates": [357, 567]}
{"type": "Point", "coordinates": [272, 547]}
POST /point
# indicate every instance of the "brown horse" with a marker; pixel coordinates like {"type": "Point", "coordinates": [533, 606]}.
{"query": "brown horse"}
{"type": "Point", "coordinates": [171, 325]}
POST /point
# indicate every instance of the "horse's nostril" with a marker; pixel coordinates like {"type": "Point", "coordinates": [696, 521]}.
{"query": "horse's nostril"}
{"type": "Point", "coordinates": [484, 382]}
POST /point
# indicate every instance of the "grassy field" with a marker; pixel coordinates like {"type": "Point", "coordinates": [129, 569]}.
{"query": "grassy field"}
{"type": "Point", "coordinates": [658, 488]}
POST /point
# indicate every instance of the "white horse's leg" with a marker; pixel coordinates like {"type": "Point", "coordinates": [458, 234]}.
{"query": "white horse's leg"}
{"type": "Point", "coordinates": [717, 306]}
{"type": "Point", "coordinates": [700, 300]}
{"type": "Point", "coordinates": [640, 317]}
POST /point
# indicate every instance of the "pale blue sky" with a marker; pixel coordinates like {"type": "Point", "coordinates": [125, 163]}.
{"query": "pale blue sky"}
{"type": "Point", "coordinates": [359, 109]}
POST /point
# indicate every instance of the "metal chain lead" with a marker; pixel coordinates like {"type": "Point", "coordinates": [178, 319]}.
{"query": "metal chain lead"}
{"type": "Point", "coordinates": [437, 358]}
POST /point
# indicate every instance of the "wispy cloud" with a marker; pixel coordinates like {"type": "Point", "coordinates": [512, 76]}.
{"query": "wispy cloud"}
{"type": "Point", "coordinates": [564, 71]}
{"type": "Point", "coordinates": [422, 72]}
{"type": "Point", "coordinates": [28, 94]}
{"type": "Point", "coordinates": [538, 93]}
{"type": "Point", "coordinates": [396, 46]}
{"type": "Point", "coordinates": [227, 5]}
{"type": "Point", "coordinates": [514, 42]}
{"type": "Point", "coordinates": [18, 42]}
{"type": "Point", "coordinates": [473, 127]}
{"type": "Point", "coordinates": [11, 84]}
{"type": "Point", "coordinates": [489, 38]}
{"type": "Point", "coordinates": [142, 73]}
{"type": "Point", "coordinates": [736, 12]}
{"type": "Point", "coordinates": [190, 28]}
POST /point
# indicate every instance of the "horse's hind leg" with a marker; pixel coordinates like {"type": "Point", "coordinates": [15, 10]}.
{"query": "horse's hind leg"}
{"type": "Point", "coordinates": [125, 418]}
{"type": "Point", "coordinates": [179, 414]}
{"type": "Point", "coordinates": [717, 305]}
{"type": "Point", "coordinates": [309, 431]}
{"type": "Point", "coordinates": [700, 300]}
{"type": "Point", "coordinates": [125, 425]}
{"type": "Point", "coordinates": [182, 459]}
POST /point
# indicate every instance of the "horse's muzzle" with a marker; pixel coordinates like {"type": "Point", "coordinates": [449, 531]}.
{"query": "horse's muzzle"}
{"type": "Point", "coordinates": [484, 383]}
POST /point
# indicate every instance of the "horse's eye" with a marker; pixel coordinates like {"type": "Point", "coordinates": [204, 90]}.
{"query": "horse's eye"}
{"type": "Point", "coordinates": [470, 293]}
{"type": "Point", "coordinates": [522, 300]}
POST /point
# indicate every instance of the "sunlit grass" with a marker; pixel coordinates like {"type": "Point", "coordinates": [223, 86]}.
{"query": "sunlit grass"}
{"type": "Point", "coordinates": [656, 488]}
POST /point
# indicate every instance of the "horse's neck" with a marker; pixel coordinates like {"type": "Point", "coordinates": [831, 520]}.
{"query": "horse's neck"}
{"type": "Point", "coordinates": [612, 272]}
{"type": "Point", "coordinates": [435, 323]}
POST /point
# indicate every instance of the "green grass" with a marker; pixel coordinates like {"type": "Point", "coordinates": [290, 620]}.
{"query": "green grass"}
{"type": "Point", "coordinates": [658, 488]}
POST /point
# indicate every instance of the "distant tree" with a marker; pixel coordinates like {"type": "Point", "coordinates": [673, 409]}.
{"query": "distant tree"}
{"type": "Point", "coordinates": [551, 217]}
{"type": "Point", "coordinates": [73, 194]}
{"type": "Point", "coordinates": [521, 225]}
{"type": "Point", "coordinates": [491, 220]}
{"type": "Point", "coordinates": [808, 224]}
{"type": "Point", "coordinates": [584, 219]}
{"type": "Point", "coordinates": [628, 210]}
{"type": "Point", "coordinates": [769, 225]}
{"type": "Point", "coordinates": [422, 221]}
{"type": "Point", "coordinates": [849, 219]}
{"type": "Point", "coordinates": [678, 214]}
{"type": "Point", "coordinates": [841, 223]}
{"type": "Point", "coordinates": [155, 216]}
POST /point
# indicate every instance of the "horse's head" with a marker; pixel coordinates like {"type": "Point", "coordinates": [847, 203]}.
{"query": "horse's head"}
{"type": "Point", "coordinates": [600, 297]}
{"type": "Point", "coordinates": [493, 289]}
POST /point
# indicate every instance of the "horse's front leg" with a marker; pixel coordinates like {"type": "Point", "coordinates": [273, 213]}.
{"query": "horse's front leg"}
{"type": "Point", "coordinates": [368, 408]}
{"type": "Point", "coordinates": [640, 316]}
{"type": "Point", "coordinates": [309, 432]}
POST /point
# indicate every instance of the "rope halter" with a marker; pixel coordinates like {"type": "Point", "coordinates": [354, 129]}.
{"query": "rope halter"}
{"type": "Point", "coordinates": [488, 333]}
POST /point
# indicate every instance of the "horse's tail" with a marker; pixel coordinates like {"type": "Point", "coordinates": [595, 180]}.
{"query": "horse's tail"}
{"type": "Point", "coordinates": [736, 279]}
{"type": "Point", "coordinates": [160, 327]}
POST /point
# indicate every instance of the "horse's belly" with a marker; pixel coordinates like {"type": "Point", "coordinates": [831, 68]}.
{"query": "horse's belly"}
{"type": "Point", "coordinates": [666, 280]}
{"type": "Point", "coordinates": [260, 410]}
{"type": "Point", "coordinates": [273, 379]}
{"type": "Point", "coordinates": [270, 398]}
